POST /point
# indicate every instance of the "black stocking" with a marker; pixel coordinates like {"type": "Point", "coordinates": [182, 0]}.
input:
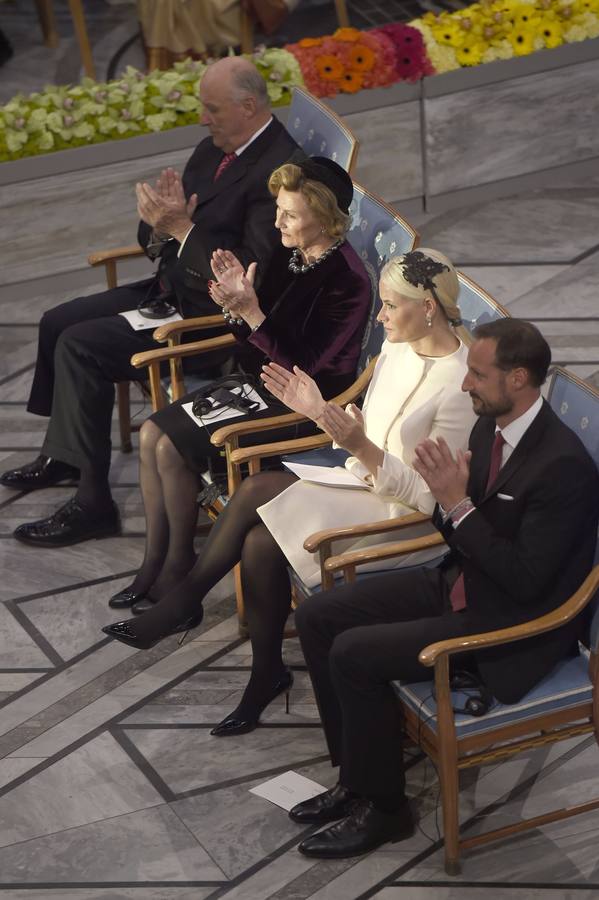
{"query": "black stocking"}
{"type": "Point", "coordinates": [221, 551]}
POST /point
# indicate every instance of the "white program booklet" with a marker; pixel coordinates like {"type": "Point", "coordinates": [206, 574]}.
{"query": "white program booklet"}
{"type": "Point", "coordinates": [221, 415]}
{"type": "Point", "coordinates": [288, 789]}
{"type": "Point", "coordinates": [333, 476]}
{"type": "Point", "coordinates": [140, 323]}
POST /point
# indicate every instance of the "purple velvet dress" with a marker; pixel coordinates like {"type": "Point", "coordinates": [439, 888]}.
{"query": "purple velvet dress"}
{"type": "Point", "coordinates": [314, 320]}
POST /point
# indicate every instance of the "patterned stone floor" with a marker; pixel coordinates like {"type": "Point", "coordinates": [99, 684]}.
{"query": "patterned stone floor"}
{"type": "Point", "coordinates": [110, 784]}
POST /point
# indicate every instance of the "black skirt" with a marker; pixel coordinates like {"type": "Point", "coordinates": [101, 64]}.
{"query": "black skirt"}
{"type": "Point", "coordinates": [191, 437]}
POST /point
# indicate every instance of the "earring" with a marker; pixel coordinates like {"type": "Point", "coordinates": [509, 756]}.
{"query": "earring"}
{"type": "Point", "coordinates": [429, 321]}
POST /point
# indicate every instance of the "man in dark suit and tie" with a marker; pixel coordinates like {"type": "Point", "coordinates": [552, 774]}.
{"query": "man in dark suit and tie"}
{"type": "Point", "coordinates": [85, 346]}
{"type": "Point", "coordinates": [519, 513]}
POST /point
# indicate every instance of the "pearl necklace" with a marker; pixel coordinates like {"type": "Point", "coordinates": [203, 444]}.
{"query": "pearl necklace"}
{"type": "Point", "coordinates": [296, 267]}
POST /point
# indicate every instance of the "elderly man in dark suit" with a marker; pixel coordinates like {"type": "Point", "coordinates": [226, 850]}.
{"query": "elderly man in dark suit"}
{"type": "Point", "coordinates": [519, 512]}
{"type": "Point", "coordinates": [222, 201]}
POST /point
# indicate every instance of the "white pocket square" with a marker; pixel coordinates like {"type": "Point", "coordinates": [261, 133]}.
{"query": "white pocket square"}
{"type": "Point", "coordinates": [505, 497]}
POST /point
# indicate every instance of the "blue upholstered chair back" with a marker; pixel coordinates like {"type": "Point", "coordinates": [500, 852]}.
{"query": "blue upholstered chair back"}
{"type": "Point", "coordinates": [377, 233]}
{"type": "Point", "coordinates": [319, 131]}
{"type": "Point", "coordinates": [477, 307]}
{"type": "Point", "coordinates": [577, 405]}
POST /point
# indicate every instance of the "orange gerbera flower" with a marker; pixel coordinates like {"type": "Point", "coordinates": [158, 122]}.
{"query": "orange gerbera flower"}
{"type": "Point", "coordinates": [351, 82]}
{"type": "Point", "coordinates": [328, 66]}
{"type": "Point", "coordinates": [310, 42]}
{"type": "Point", "coordinates": [362, 58]}
{"type": "Point", "coordinates": [347, 34]}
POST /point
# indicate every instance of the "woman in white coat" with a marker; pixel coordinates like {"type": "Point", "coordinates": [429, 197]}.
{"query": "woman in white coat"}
{"type": "Point", "coordinates": [415, 393]}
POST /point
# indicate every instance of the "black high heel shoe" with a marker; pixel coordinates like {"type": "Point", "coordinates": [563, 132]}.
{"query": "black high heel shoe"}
{"type": "Point", "coordinates": [125, 631]}
{"type": "Point", "coordinates": [238, 723]}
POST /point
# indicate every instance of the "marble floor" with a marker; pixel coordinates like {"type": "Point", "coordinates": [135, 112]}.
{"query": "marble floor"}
{"type": "Point", "coordinates": [110, 783]}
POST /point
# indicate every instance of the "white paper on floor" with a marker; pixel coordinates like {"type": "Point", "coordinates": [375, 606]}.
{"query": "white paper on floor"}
{"type": "Point", "coordinates": [288, 789]}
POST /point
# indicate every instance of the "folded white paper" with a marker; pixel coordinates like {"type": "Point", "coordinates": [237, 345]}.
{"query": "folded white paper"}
{"type": "Point", "coordinates": [288, 789]}
{"type": "Point", "coordinates": [221, 415]}
{"type": "Point", "coordinates": [334, 476]}
{"type": "Point", "coordinates": [140, 323]}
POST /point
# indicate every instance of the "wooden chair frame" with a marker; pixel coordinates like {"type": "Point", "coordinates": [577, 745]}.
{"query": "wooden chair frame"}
{"type": "Point", "coordinates": [450, 753]}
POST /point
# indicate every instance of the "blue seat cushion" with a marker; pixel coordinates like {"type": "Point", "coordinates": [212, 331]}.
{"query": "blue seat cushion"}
{"type": "Point", "coordinates": [566, 687]}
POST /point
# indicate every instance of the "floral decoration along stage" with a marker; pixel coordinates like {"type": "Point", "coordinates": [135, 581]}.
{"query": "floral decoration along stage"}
{"type": "Point", "coordinates": [350, 60]}
{"type": "Point", "coordinates": [60, 118]}
{"type": "Point", "coordinates": [501, 29]}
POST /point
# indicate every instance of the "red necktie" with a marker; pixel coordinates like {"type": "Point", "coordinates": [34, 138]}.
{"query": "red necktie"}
{"type": "Point", "coordinates": [224, 164]}
{"type": "Point", "coordinates": [457, 596]}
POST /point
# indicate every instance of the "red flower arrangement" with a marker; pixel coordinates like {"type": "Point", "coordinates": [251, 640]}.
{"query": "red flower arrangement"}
{"type": "Point", "coordinates": [411, 60]}
{"type": "Point", "coordinates": [346, 61]}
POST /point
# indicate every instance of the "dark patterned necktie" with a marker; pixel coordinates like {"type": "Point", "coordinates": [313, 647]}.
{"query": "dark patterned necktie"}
{"type": "Point", "coordinates": [457, 597]}
{"type": "Point", "coordinates": [224, 164]}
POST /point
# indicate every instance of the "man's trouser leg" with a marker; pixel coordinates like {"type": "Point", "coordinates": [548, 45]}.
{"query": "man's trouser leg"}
{"type": "Point", "coordinates": [55, 321]}
{"type": "Point", "coordinates": [356, 640]}
{"type": "Point", "coordinates": [89, 358]}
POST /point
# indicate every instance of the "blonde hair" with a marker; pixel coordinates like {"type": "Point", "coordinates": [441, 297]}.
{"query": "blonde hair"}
{"type": "Point", "coordinates": [319, 198]}
{"type": "Point", "coordinates": [446, 287]}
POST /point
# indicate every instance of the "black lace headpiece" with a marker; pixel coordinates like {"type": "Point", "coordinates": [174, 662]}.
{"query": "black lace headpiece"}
{"type": "Point", "coordinates": [419, 269]}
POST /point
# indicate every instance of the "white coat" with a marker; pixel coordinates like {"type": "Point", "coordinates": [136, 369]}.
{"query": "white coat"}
{"type": "Point", "coordinates": [409, 399]}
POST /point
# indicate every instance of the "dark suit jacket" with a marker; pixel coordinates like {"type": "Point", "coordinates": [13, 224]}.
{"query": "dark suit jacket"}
{"type": "Point", "coordinates": [525, 556]}
{"type": "Point", "coordinates": [314, 320]}
{"type": "Point", "coordinates": [236, 213]}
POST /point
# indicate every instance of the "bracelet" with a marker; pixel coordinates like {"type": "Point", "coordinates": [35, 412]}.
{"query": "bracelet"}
{"type": "Point", "coordinates": [229, 318]}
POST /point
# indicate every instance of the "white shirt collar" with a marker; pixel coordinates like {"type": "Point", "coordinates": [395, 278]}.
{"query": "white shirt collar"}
{"type": "Point", "coordinates": [256, 134]}
{"type": "Point", "coordinates": [514, 432]}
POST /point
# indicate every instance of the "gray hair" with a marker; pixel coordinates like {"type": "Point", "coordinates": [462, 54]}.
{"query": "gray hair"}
{"type": "Point", "coordinates": [249, 83]}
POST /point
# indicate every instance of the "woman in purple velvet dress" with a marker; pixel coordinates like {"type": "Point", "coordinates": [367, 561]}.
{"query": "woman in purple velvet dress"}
{"type": "Point", "coordinates": [310, 310]}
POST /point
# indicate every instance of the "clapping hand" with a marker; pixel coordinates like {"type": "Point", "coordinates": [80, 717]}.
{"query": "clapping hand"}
{"type": "Point", "coordinates": [446, 477]}
{"type": "Point", "coordinates": [295, 389]}
{"type": "Point", "coordinates": [165, 207]}
{"type": "Point", "coordinates": [234, 289]}
{"type": "Point", "coordinates": [345, 427]}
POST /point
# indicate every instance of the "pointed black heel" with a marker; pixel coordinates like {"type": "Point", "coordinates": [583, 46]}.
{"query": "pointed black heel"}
{"type": "Point", "coordinates": [125, 631]}
{"type": "Point", "coordinates": [238, 723]}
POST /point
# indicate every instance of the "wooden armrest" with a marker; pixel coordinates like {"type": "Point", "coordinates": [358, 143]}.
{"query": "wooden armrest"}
{"type": "Point", "coordinates": [252, 426]}
{"type": "Point", "coordinates": [384, 551]}
{"type": "Point", "coordinates": [164, 332]}
{"type": "Point", "coordinates": [550, 621]}
{"type": "Point", "coordinates": [221, 436]}
{"type": "Point", "coordinates": [116, 253]}
{"type": "Point", "coordinates": [263, 451]}
{"type": "Point", "coordinates": [313, 542]}
{"type": "Point", "coordinates": [139, 360]}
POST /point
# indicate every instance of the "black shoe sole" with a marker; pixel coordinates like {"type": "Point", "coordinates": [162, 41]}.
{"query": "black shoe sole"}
{"type": "Point", "coordinates": [68, 480]}
{"type": "Point", "coordinates": [96, 535]}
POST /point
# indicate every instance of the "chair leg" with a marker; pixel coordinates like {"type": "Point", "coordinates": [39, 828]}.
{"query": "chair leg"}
{"type": "Point", "coordinates": [124, 407]}
{"type": "Point", "coordinates": [342, 16]}
{"type": "Point", "coordinates": [82, 38]}
{"type": "Point", "coordinates": [247, 32]}
{"type": "Point", "coordinates": [449, 778]}
{"type": "Point", "coordinates": [45, 13]}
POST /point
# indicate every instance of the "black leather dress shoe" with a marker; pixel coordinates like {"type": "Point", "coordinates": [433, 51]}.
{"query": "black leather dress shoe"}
{"type": "Point", "coordinates": [126, 598]}
{"type": "Point", "coordinates": [334, 804]}
{"type": "Point", "coordinates": [143, 604]}
{"type": "Point", "coordinates": [70, 524]}
{"type": "Point", "coordinates": [42, 472]}
{"type": "Point", "coordinates": [240, 723]}
{"type": "Point", "coordinates": [365, 829]}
